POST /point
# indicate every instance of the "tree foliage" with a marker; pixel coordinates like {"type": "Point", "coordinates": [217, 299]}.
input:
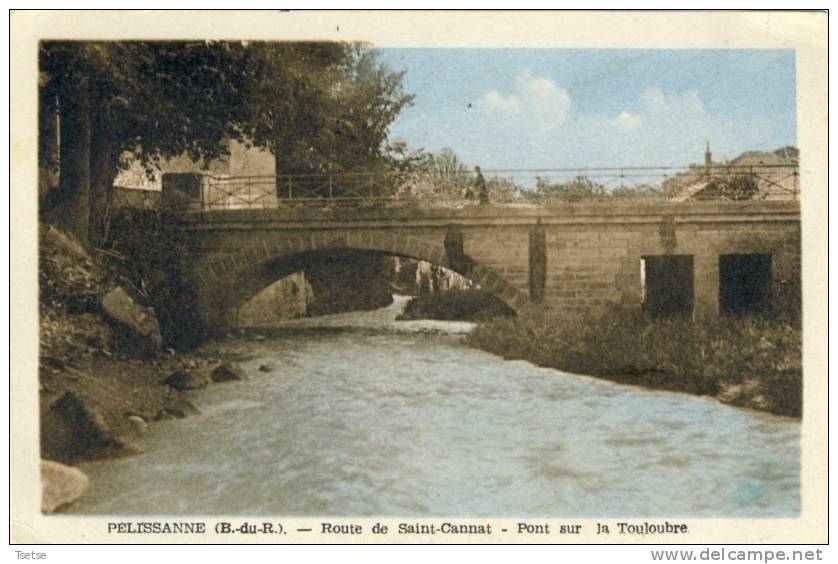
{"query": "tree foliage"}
{"type": "Point", "coordinates": [157, 99]}
{"type": "Point", "coordinates": [142, 101]}
{"type": "Point", "coordinates": [437, 175]}
{"type": "Point", "coordinates": [319, 107]}
{"type": "Point", "coordinates": [445, 165]}
{"type": "Point", "coordinates": [370, 96]}
{"type": "Point", "coordinates": [287, 101]}
{"type": "Point", "coordinates": [323, 107]}
{"type": "Point", "coordinates": [733, 187]}
{"type": "Point", "coordinates": [573, 190]}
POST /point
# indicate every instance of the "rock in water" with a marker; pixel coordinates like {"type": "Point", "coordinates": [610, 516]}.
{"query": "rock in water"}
{"type": "Point", "coordinates": [137, 327]}
{"type": "Point", "coordinates": [183, 380]}
{"type": "Point", "coordinates": [177, 411]}
{"type": "Point", "coordinates": [202, 377]}
{"type": "Point", "coordinates": [60, 485]}
{"type": "Point", "coordinates": [224, 372]}
{"type": "Point", "coordinates": [138, 423]}
{"type": "Point", "coordinates": [84, 427]}
{"type": "Point", "coordinates": [266, 367]}
{"type": "Point", "coordinates": [221, 372]}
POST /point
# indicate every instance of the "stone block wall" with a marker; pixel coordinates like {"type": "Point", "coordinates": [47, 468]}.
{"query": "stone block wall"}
{"type": "Point", "coordinates": [590, 266]}
{"type": "Point", "coordinates": [503, 251]}
{"type": "Point", "coordinates": [287, 298]}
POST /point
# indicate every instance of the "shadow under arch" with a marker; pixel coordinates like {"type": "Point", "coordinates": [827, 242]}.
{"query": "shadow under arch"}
{"type": "Point", "coordinates": [228, 279]}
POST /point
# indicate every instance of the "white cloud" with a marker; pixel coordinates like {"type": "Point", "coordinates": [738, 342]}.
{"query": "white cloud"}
{"type": "Point", "coordinates": [673, 123]}
{"type": "Point", "coordinates": [538, 102]}
{"type": "Point", "coordinates": [495, 101]}
{"type": "Point", "coordinates": [628, 120]}
{"type": "Point", "coordinates": [659, 127]}
{"type": "Point", "coordinates": [654, 98]}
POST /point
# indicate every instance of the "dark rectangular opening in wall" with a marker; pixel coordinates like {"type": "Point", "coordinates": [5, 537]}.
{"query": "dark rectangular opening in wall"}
{"type": "Point", "coordinates": [537, 264]}
{"type": "Point", "coordinates": [744, 284]}
{"type": "Point", "coordinates": [454, 245]}
{"type": "Point", "coordinates": [667, 282]}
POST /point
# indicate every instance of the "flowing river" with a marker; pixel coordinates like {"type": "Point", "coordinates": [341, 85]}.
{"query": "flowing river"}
{"type": "Point", "coordinates": [366, 416]}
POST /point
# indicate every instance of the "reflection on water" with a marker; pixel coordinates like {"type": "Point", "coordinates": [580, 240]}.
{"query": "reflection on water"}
{"type": "Point", "coordinates": [367, 416]}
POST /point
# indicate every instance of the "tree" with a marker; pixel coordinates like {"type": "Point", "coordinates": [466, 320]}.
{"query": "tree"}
{"type": "Point", "coordinates": [369, 98]}
{"type": "Point", "coordinates": [322, 107]}
{"type": "Point", "coordinates": [65, 85]}
{"type": "Point", "coordinates": [287, 101]}
{"type": "Point", "coordinates": [446, 165]}
{"type": "Point", "coordinates": [145, 101]}
{"type": "Point", "coordinates": [319, 107]}
{"type": "Point", "coordinates": [574, 190]}
{"type": "Point", "coordinates": [440, 174]}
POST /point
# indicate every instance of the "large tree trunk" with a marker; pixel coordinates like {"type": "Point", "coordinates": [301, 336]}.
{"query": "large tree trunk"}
{"type": "Point", "coordinates": [102, 176]}
{"type": "Point", "coordinates": [72, 206]}
{"type": "Point", "coordinates": [47, 144]}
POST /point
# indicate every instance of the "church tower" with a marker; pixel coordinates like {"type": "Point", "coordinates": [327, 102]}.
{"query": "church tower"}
{"type": "Point", "coordinates": [708, 160]}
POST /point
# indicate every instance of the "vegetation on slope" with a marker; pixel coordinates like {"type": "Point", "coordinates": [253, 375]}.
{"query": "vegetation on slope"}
{"type": "Point", "coordinates": [751, 362]}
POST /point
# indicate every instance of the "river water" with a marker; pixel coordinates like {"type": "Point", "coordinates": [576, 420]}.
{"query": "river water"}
{"type": "Point", "coordinates": [363, 415]}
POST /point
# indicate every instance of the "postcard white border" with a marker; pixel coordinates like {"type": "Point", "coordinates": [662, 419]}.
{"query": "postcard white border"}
{"type": "Point", "coordinates": [803, 32]}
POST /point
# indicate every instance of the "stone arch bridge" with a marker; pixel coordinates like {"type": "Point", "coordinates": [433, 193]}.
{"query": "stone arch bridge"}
{"type": "Point", "coordinates": [691, 259]}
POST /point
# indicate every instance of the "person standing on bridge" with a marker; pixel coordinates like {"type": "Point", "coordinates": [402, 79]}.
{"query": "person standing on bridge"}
{"type": "Point", "coordinates": [480, 186]}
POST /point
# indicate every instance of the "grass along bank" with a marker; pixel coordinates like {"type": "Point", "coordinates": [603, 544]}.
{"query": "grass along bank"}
{"type": "Point", "coordinates": [749, 362]}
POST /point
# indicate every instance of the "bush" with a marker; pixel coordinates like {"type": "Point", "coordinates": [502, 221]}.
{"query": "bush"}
{"type": "Point", "coordinates": [746, 361]}
{"type": "Point", "coordinates": [738, 187]}
{"type": "Point", "coordinates": [157, 256]}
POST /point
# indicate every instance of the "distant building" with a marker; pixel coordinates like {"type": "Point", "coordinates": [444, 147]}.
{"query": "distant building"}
{"type": "Point", "coordinates": [242, 161]}
{"type": "Point", "coordinates": [754, 175]}
{"type": "Point", "coordinates": [244, 178]}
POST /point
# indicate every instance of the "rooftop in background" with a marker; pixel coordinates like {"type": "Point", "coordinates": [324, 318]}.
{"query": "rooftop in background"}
{"type": "Point", "coordinates": [753, 175]}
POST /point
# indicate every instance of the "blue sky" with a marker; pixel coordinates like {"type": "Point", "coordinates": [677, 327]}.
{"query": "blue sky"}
{"type": "Point", "coordinates": [549, 108]}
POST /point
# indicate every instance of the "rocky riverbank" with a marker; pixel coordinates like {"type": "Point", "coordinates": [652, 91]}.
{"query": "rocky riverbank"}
{"type": "Point", "coordinates": [105, 371]}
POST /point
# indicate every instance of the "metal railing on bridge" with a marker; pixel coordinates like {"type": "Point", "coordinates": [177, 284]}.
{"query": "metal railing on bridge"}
{"type": "Point", "coordinates": [512, 186]}
{"type": "Point", "coordinates": [233, 192]}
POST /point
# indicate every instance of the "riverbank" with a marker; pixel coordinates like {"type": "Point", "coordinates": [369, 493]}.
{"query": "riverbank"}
{"type": "Point", "coordinates": [105, 371]}
{"type": "Point", "coordinates": [746, 362]}
{"type": "Point", "coordinates": [94, 407]}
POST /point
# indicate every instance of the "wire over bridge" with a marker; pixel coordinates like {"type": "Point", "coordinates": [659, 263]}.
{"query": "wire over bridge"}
{"type": "Point", "coordinates": [505, 186]}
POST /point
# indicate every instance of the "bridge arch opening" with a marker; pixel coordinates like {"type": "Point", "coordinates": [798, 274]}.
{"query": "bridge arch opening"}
{"type": "Point", "coordinates": [341, 279]}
